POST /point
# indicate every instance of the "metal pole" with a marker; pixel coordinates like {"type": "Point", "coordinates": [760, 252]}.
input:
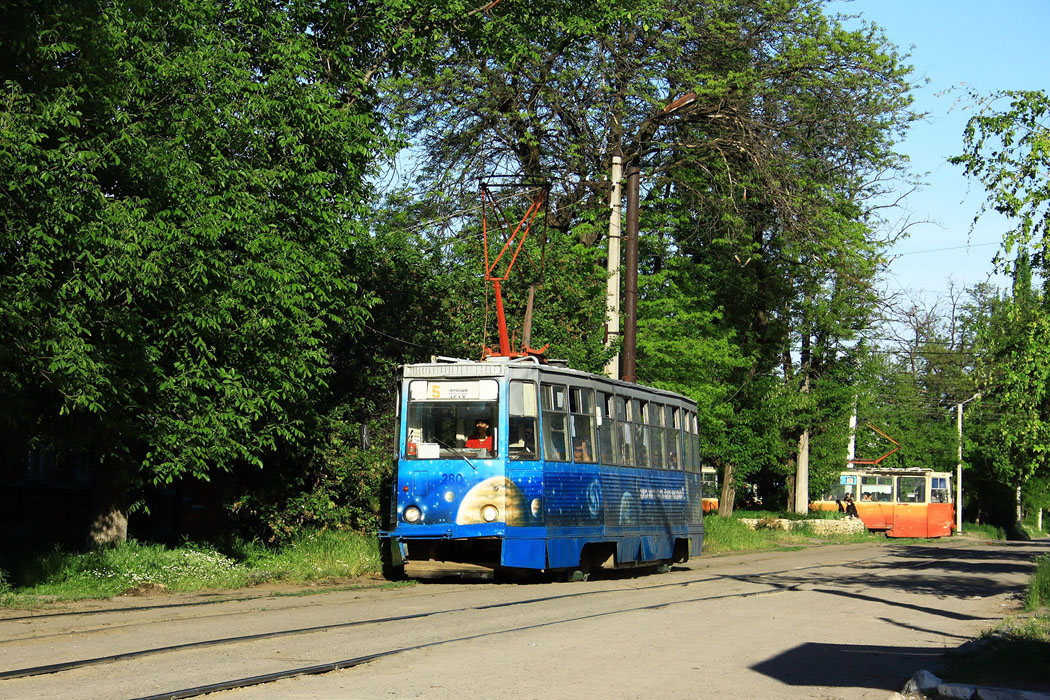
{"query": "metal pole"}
{"type": "Point", "coordinates": [958, 472]}
{"type": "Point", "coordinates": [630, 278]}
{"type": "Point", "coordinates": [612, 291]}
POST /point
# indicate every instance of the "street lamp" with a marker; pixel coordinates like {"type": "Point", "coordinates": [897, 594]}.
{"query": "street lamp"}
{"type": "Point", "coordinates": [958, 467]}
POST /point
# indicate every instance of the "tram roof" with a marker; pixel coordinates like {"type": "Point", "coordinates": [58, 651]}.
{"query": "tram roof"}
{"type": "Point", "coordinates": [895, 471]}
{"type": "Point", "coordinates": [448, 367]}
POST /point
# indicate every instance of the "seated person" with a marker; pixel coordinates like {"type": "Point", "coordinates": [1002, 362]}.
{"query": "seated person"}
{"type": "Point", "coordinates": [481, 439]}
{"type": "Point", "coordinates": [580, 452]}
{"type": "Point", "coordinates": [851, 507]}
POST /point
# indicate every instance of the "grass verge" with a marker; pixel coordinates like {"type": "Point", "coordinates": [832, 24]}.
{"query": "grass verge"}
{"type": "Point", "coordinates": [1015, 653]}
{"type": "Point", "coordinates": [135, 567]}
{"type": "Point", "coordinates": [723, 535]}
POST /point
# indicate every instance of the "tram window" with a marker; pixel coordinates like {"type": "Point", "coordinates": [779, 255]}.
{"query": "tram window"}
{"type": "Point", "coordinates": [656, 432]}
{"type": "Point", "coordinates": [555, 423]}
{"type": "Point", "coordinates": [876, 488]}
{"type": "Point", "coordinates": [837, 492]}
{"type": "Point", "coordinates": [692, 444]}
{"type": "Point", "coordinates": [607, 430]}
{"type": "Point", "coordinates": [581, 406]}
{"type": "Point", "coordinates": [443, 414]}
{"type": "Point", "coordinates": [673, 421]}
{"type": "Point", "coordinates": [912, 489]}
{"type": "Point", "coordinates": [522, 414]}
{"type": "Point", "coordinates": [624, 431]}
{"type": "Point", "coordinates": [639, 418]}
{"type": "Point", "coordinates": [940, 490]}
{"type": "Point", "coordinates": [709, 480]}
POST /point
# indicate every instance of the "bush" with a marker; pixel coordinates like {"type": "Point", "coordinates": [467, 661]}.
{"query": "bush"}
{"type": "Point", "coordinates": [340, 488]}
{"type": "Point", "coordinates": [1039, 588]}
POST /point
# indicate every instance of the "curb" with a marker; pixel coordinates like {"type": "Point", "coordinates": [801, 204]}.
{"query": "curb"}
{"type": "Point", "coordinates": [926, 685]}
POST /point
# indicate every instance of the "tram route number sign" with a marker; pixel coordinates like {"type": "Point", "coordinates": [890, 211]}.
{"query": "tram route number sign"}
{"type": "Point", "coordinates": [453, 390]}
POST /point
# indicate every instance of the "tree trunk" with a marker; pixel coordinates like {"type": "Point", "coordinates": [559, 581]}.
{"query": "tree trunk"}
{"type": "Point", "coordinates": [109, 507]}
{"type": "Point", "coordinates": [728, 496]}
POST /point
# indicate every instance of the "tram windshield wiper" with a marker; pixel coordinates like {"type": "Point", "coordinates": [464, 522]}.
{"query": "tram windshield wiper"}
{"type": "Point", "coordinates": [454, 451]}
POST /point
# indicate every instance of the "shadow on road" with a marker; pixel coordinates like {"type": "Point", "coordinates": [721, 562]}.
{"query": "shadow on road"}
{"type": "Point", "coordinates": [848, 665]}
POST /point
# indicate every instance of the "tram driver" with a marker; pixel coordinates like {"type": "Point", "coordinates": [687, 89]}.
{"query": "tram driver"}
{"type": "Point", "coordinates": [481, 438]}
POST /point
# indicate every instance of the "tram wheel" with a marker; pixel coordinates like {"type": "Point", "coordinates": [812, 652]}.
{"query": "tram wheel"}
{"type": "Point", "coordinates": [574, 575]}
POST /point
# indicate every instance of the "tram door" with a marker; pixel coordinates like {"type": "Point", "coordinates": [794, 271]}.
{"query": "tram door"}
{"type": "Point", "coordinates": [876, 506]}
{"type": "Point", "coordinates": [941, 514]}
{"type": "Point", "coordinates": [910, 512]}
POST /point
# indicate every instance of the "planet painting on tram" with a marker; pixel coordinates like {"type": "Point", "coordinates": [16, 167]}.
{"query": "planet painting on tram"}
{"type": "Point", "coordinates": [496, 499]}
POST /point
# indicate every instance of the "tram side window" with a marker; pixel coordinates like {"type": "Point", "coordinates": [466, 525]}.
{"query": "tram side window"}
{"type": "Point", "coordinates": [581, 407]}
{"type": "Point", "coordinates": [607, 430]}
{"type": "Point", "coordinates": [912, 489]}
{"type": "Point", "coordinates": [693, 440]}
{"type": "Point", "coordinates": [623, 427]}
{"type": "Point", "coordinates": [847, 484]}
{"type": "Point", "coordinates": [673, 421]}
{"type": "Point", "coordinates": [639, 419]}
{"type": "Point", "coordinates": [940, 490]}
{"type": "Point", "coordinates": [522, 413]}
{"type": "Point", "coordinates": [555, 423]}
{"type": "Point", "coordinates": [876, 488]}
{"type": "Point", "coordinates": [656, 431]}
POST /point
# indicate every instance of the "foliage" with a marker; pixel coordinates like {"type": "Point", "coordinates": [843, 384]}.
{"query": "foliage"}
{"type": "Point", "coordinates": [338, 488]}
{"type": "Point", "coordinates": [173, 271]}
{"type": "Point", "coordinates": [1007, 150]}
{"type": "Point", "coordinates": [1012, 331]}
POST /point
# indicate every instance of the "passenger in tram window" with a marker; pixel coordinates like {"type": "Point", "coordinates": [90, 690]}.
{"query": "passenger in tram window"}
{"type": "Point", "coordinates": [865, 496]}
{"type": "Point", "coordinates": [523, 438]}
{"type": "Point", "coordinates": [580, 451]}
{"type": "Point", "coordinates": [480, 438]}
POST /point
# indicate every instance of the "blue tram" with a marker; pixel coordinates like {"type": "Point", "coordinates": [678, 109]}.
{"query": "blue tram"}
{"type": "Point", "coordinates": [516, 464]}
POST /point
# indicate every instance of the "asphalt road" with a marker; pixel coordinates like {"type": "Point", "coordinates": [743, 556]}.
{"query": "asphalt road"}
{"type": "Point", "coordinates": [845, 621]}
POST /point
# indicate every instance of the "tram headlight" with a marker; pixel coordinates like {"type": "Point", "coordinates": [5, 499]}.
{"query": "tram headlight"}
{"type": "Point", "coordinates": [489, 512]}
{"type": "Point", "coordinates": [536, 506]}
{"type": "Point", "coordinates": [412, 514]}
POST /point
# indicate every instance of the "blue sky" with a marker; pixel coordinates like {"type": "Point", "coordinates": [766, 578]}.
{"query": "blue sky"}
{"type": "Point", "coordinates": [979, 44]}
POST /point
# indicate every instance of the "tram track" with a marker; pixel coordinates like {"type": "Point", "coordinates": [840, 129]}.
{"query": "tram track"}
{"type": "Point", "coordinates": [357, 661]}
{"type": "Point", "coordinates": [761, 579]}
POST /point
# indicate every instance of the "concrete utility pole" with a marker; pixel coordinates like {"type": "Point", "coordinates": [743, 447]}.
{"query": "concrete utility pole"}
{"type": "Point", "coordinates": [851, 448]}
{"type": "Point", "coordinates": [630, 278]}
{"type": "Point", "coordinates": [958, 466]}
{"type": "Point", "coordinates": [612, 291]}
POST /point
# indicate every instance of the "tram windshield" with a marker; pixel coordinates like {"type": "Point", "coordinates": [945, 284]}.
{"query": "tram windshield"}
{"type": "Point", "coordinates": [451, 419]}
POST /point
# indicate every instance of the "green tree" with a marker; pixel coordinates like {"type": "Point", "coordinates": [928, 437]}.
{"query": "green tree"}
{"type": "Point", "coordinates": [1007, 150]}
{"type": "Point", "coordinates": [1006, 147]}
{"type": "Point", "coordinates": [181, 189]}
{"type": "Point", "coordinates": [754, 189]}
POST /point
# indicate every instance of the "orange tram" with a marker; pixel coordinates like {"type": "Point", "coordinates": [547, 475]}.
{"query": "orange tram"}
{"type": "Point", "coordinates": [901, 502]}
